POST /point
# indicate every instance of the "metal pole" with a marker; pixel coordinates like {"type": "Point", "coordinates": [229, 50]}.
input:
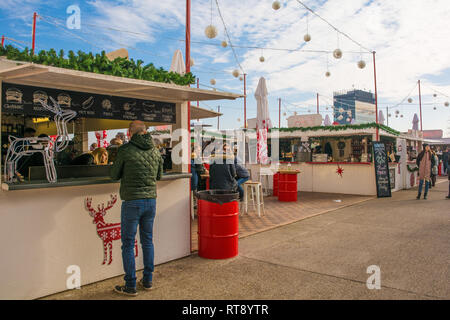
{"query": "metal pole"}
{"type": "Point", "coordinates": [376, 95]}
{"type": "Point", "coordinates": [420, 106]}
{"type": "Point", "coordinates": [188, 69]}
{"type": "Point", "coordinates": [3, 41]}
{"type": "Point", "coordinates": [198, 86]}
{"type": "Point", "coordinates": [34, 33]}
{"type": "Point", "coordinates": [245, 101]}
{"type": "Point", "coordinates": [318, 104]}
{"type": "Point", "coordinates": [279, 113]}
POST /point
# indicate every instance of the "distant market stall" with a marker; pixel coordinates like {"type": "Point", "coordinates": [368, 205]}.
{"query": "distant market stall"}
{"type": "Point", "coordinates": [339, 158]}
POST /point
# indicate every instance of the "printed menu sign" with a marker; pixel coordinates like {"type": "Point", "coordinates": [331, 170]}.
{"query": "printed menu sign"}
{"type": "Point", "coordinates": [381, 170]}
{"type": "Point", "coordinates": [19, 99]}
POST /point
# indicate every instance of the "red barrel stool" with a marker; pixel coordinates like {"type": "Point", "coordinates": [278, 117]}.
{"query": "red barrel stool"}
{"type": "Point", "coordinates": [287, 186]}
{"type": "Point", "coordinates": [218, 224]}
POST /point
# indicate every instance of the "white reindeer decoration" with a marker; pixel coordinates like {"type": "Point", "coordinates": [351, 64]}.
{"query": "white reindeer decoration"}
{"type": "Point", "coordinates": [20, 147]}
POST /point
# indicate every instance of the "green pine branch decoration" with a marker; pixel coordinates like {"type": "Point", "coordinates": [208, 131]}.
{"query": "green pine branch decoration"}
{"type": "Point", "coordinates": [341, 128]}
{"type": "Point", "coordinates": [98, 63]}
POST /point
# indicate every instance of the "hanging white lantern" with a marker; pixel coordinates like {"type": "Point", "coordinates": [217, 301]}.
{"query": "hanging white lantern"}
{"type": "Point", "coordinates": [401, 116]}
{"type": "Point", "coordinates": [211, 31]}
{"type": "Point", "coordinates": [235, 73]}
{"type": "Point", "coordinates": [327, 74]}
{"type": "Point", "coordinates": [446, 104]}
{"type": "Point", "coordinates": [212, 81]}
{"type": "Point", "coordinates": [410, 100]}
{"type": "Point", "coordinates": [434, 108]}
{"type": "Point", "coordinates": [276, 5]}
{"type": "Point", "coordinates": [262, 59]}
{"type": "Point", "coordinates": [307, 37]}
{"type": "Point", "coordinates": [224, 44]}
{"type": "Point", "coordinates": [337, 53]}
{"type": "Point", "coordinates": [389, 115]}
{"type": "Point", "coordinates": [397, 112]}
{"type": "Point", "coordinates": [361, 64]}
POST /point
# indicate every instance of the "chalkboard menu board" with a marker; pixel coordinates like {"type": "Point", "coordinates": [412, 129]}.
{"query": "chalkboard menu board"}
{"type": "Point", "coordinates": [381, 170]}
{"type": "Point", "coordinates": [19, 99]}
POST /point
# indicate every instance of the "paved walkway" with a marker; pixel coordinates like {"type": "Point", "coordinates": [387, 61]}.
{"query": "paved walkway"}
{"type": "Point", "coordinates": [323, 257]}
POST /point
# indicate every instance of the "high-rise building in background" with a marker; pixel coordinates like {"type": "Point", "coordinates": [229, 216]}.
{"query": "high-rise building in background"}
{"type": "Point", "coordinates": [355, 106]}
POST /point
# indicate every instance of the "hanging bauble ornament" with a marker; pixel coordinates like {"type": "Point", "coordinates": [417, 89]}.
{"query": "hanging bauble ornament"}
{"type": "Point", "coordinates": [276, 5]}
{"type": "Point", "coordinates": [337, 53]}
{"type": "Point", "coordinates": [327, 74]}
{"type": "Point", "coordinates": [211, 31]}
{"type": "Point", "coordinates": [361, 64]}
{"type": "Point", "coordinates": [397, 112]}
{"type": "Point", "coordinates": [307, 37]}
{"type": "Point", "coordinates": [224, 44]}
{"type": "Point", "coordinates": [389, 115]}
{"type": "Point", "coordinates": [262, 59]}
{"type": "Point", "coordinates": [212, 81]}
{"type": "Point", "coordinates": [434, 108]}
{"type": "Point", "coordinates": [241, 78]}
{"type": "Point", "coordinates": [396, 115]}
{"type": "Point", "coordinates": [401, 116]}
{"type": "Point", "coordinates": [410, 100]}
{"type": "Point", "coordinates": [235, 73]}
{"type": "Point", "coordinates": [446, 104]}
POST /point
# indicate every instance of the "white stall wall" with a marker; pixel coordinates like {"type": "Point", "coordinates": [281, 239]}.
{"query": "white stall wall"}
{"type": "Point", "coordinates": [44, 231]}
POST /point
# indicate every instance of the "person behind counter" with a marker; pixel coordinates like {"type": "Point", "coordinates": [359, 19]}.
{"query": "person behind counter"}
{"type": "Point", "coordinates": [242, 176]}
{"type": "Point", "coordinates": [113, 148]}
{"type": "Point", "coordinates": [97, 157]}
{"type": "Point", "coordinates": [138, 165]}
{"type": "Point", "coordinates": [35, 160]}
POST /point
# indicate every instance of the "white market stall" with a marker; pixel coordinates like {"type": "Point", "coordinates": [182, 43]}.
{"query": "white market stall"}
{"type": "Point", "coordinates": [346, 167]}
{"type": "Point", "coordinates": [45, 227]}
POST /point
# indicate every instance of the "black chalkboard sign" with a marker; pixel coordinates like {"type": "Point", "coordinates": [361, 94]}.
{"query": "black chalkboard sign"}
{"type": "Point", "coordinates": [381, 170]}
{"type": "Point", "coordinates": [19, 99]}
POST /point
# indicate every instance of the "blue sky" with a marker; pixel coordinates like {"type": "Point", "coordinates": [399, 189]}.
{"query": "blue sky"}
{"type": "Point", "coordinates": [410, 37]}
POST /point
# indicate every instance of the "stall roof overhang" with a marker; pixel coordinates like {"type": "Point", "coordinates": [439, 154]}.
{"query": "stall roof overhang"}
{"type": "Point", "coordinates": [201, 113]}
{"type": "Point", "coordinates": [73, 80]}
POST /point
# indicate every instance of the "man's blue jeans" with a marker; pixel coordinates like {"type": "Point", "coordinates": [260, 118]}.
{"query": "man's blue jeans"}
{"type": "Point", "coordinates": [421, 186]}
{"type": "Point", "coordinates": [240, 182]}
{"type": "Point", "coordinates": [137, 213]}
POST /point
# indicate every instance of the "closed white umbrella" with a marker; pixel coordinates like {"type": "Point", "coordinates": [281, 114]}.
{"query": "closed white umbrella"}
{"type": "Point", "coordinates": [381, 118]}
{"type": "Point", "coordinates": [178, 65]}
{"type": "Point", "coordinates": [327, 121]}
{"type": "Point", "coordinates": [415, 122]}
{"type": "Point", "coordinates": [263, 122]}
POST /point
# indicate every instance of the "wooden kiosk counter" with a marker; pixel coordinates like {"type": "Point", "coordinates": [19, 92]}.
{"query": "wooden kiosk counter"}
{"type": "Point", "coordinates": [46, 232]}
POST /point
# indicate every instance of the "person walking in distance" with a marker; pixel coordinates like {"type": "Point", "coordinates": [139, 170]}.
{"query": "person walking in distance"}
{"type": "Point", "coordinates": [425, 162]}
{"type": "Point", "coordinates": [434, 168]}
{"type": "Point", "coordinates": [138, 165]}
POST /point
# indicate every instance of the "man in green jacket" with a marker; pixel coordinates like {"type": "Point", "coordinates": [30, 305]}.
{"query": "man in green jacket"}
{"type": "Point", "coordinates": [138, 166]}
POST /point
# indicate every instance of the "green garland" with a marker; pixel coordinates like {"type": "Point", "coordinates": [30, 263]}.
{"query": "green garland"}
{"type": "Point", "coordinates": [412, 170]}
{"type": "Point", "coordinates": [341, 128]}
{"type": "Point", "coordinates": [98, 63]}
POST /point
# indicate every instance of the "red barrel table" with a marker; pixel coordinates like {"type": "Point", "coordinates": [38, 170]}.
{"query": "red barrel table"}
{"type": "Point", "coordinates": [218, 229]}
{"type": "Point", "coordinates": [287, 185]}
{"type": "Point", "coordinates": [276, 178]}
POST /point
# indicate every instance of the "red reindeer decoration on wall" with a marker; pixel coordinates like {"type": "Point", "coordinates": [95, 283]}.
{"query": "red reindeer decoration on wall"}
{"type": "Point", "coordinates": [108, 232]}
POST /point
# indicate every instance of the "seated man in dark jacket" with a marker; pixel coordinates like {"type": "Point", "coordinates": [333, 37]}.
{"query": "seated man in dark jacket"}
{"type": "Point", "coordinates": [222, 172]}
